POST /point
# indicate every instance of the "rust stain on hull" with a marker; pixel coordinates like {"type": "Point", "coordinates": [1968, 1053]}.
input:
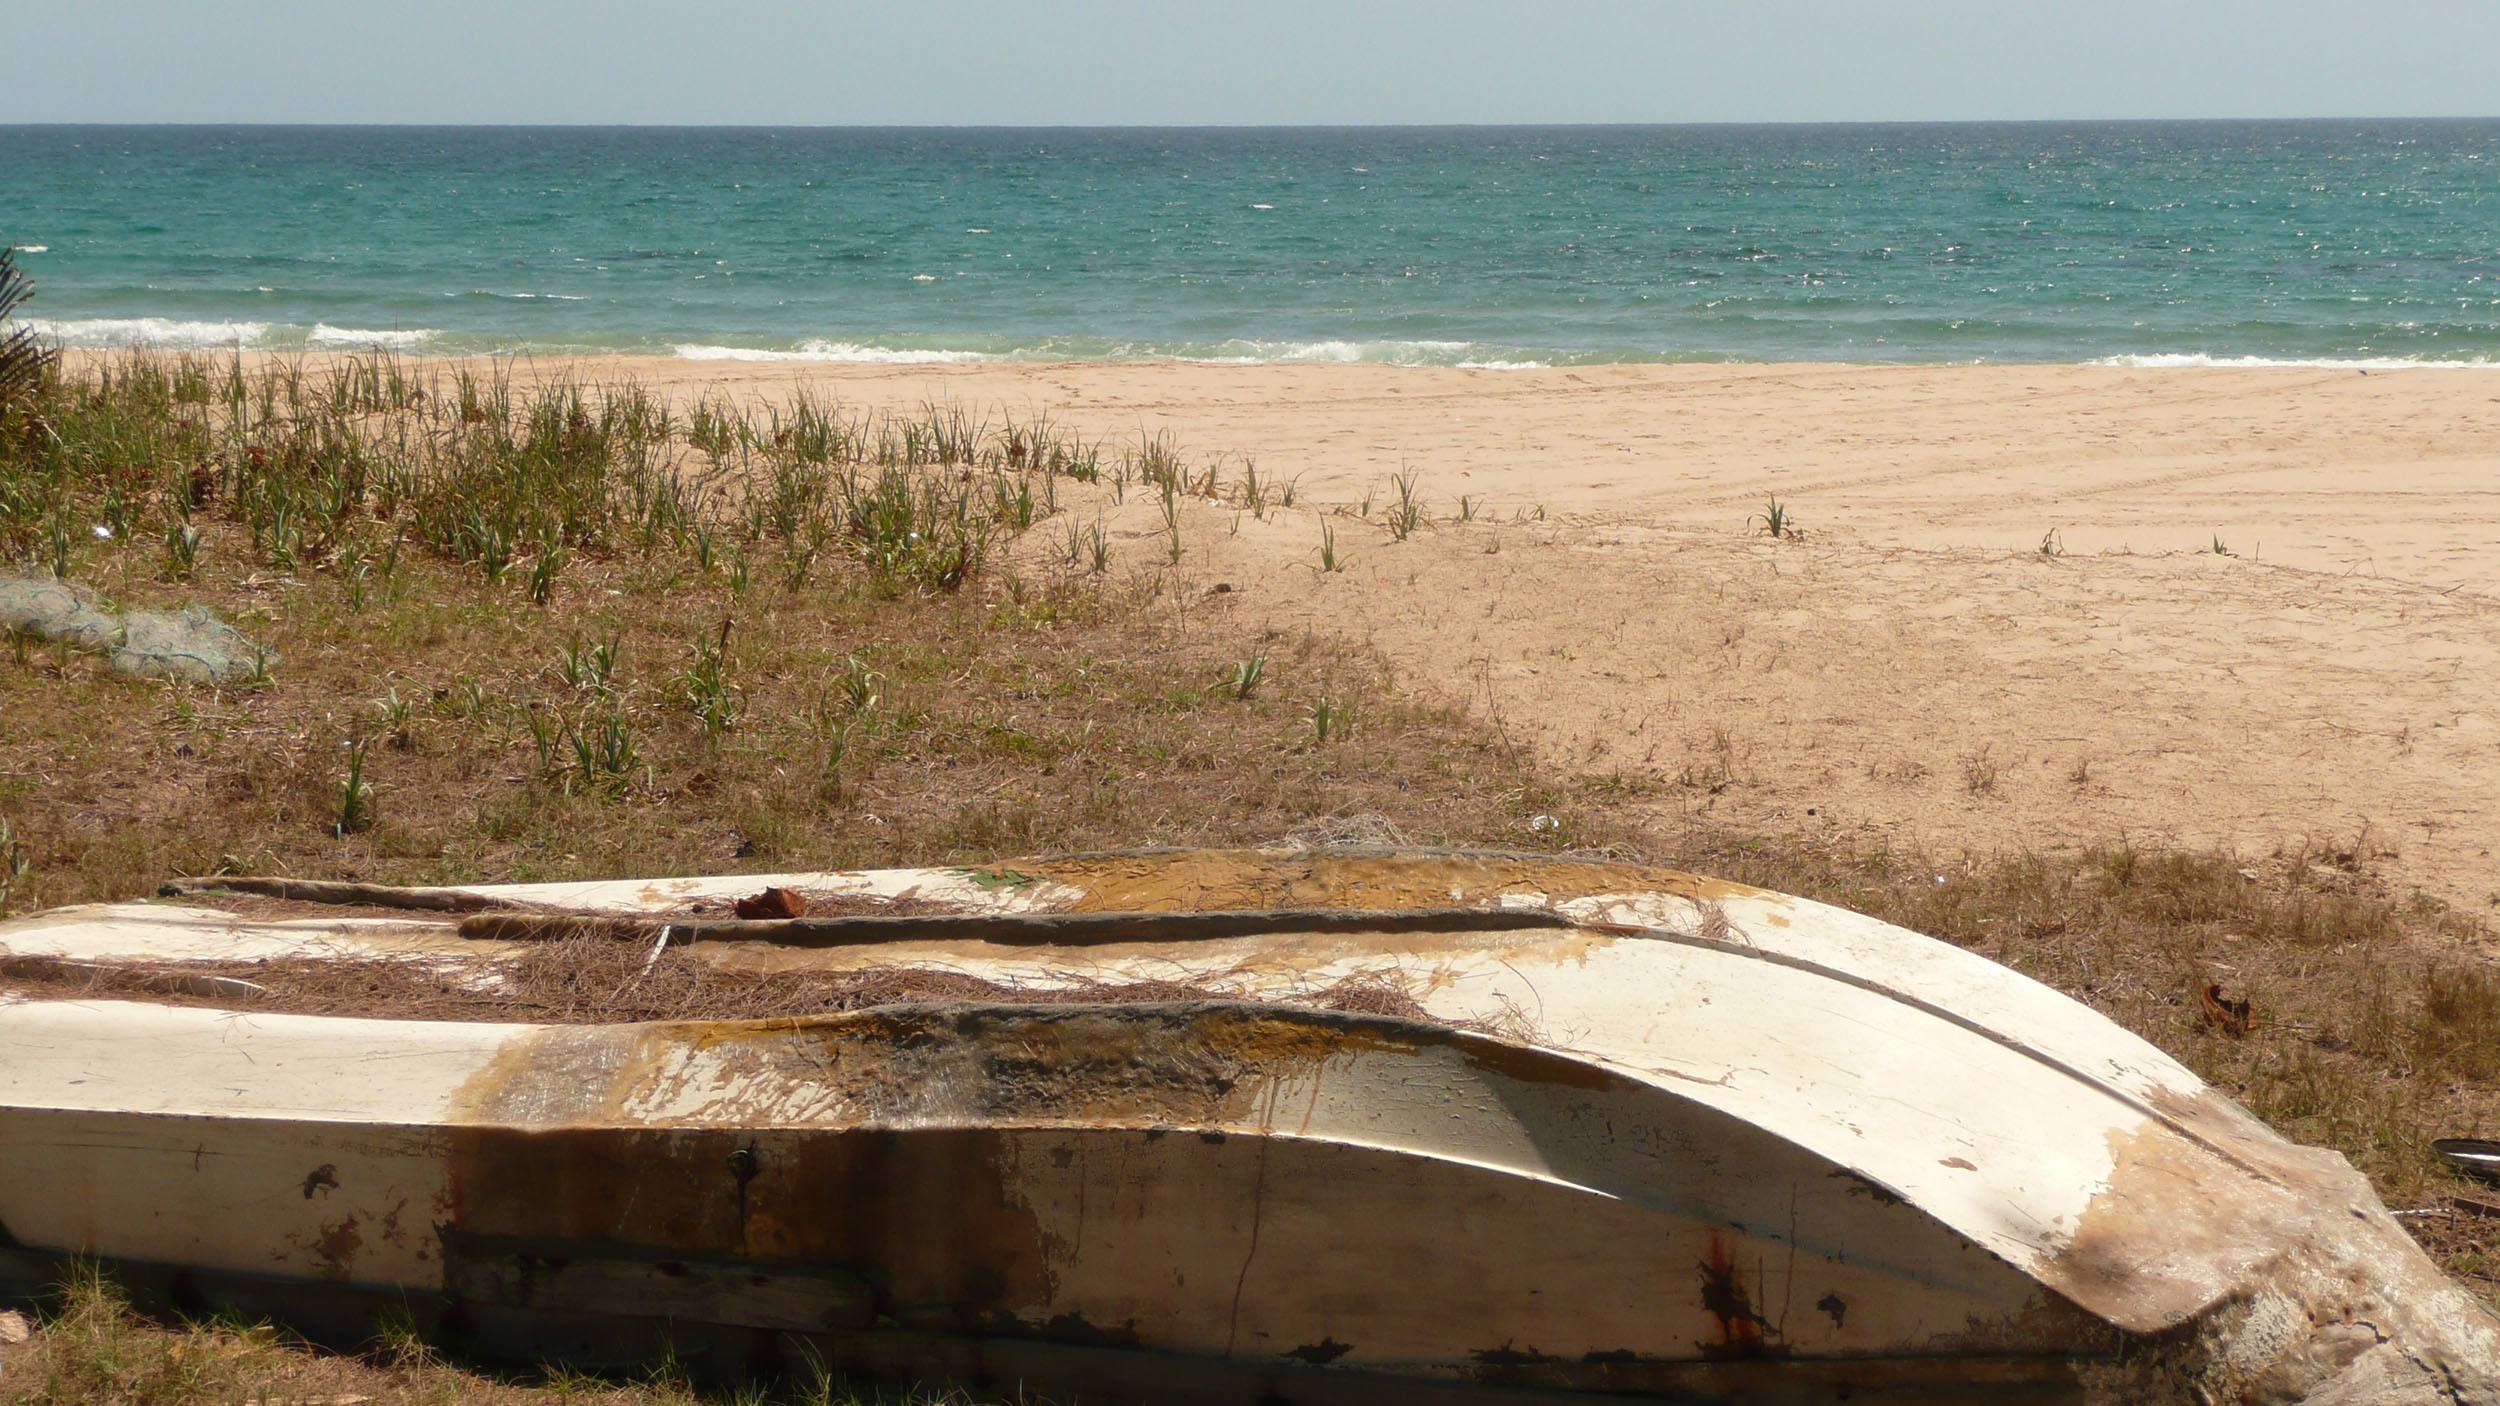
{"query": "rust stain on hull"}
{"type": "Point", "coordinates": [1743, 1331]}
{"type": "Point", "coordinates": [930, 1220]}
{"type": "Point", "coordinates": [969, 1233]}
{"type": "Point", "coordinates": [884, 1172]}
{"type": "Point", "coordinates": [1149, 1065]}
{"type": "Point", "coordinates": [1221, 879]}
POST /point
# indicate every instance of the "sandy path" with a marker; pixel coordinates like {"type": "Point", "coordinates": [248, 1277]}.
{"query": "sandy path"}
{"type": "Point", "coordinates": [1915, 672]}
{"type": "Point", "coordinates": [2388, 474]}
{"type": "Point", "coordinates": [1949, 701]}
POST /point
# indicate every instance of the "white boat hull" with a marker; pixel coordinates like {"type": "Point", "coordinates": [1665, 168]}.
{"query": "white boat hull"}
{"type": "Point", "coordinates": [1704, 1143]}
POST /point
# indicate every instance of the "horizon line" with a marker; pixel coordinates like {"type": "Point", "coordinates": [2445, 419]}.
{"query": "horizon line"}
{"type": "Point", "coordinates": [1261, 126]}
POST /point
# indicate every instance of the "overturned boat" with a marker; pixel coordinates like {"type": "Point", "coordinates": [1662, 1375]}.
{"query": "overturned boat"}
{"type": "Point", "coordinates": [1298, 1125]}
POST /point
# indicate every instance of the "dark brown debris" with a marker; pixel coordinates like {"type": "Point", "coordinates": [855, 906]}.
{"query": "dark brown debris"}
{"type": "Point", "coordinates": [772, 903]}
{"type": "Point", "coordinates": [2234, 1018]}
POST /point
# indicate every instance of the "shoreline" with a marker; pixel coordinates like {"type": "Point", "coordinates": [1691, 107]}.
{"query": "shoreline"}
{"type": "Point", "coordinates": [837, 353]}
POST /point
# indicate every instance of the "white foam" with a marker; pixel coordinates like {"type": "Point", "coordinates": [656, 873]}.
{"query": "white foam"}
{"type": "Point", "coordinates": [325, 335]}
{"type": "Point", "coordinates": [1395, 353]}
{"type": "Point", "coordinates": [2323, 363]}
{"type": "Point", "coordinates": [34, 248]}
{"type": "Point", "coordinates": [1399, 353]}
{"type": "Point", "coordinates": [1302, 351]}
{"type": "Point", "coordinates": [148, 332]}
{"type": "Point", "coordinates": [817, 349]}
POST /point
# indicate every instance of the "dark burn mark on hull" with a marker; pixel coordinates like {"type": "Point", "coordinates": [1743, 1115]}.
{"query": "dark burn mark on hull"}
{"type": "Point", "coordinates": [1875, 1191]}
{"type": "Point", "coordinates": [1071, 1329]}
{"type": "Point", "coordinates": [1321, 1353]}
{"type": "Point", "coordinates": [1509, 1356]}
{"type": "Point", "coordinates": [334, 1250]}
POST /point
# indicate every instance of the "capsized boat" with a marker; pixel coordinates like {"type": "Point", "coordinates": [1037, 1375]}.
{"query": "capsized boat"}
{"type": "Point", "coordinates": [1296, 1125]}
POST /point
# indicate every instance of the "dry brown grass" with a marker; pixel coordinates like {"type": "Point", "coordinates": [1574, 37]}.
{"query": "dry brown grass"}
{"type": "Point", "coordinates": [1012, 717]}
{"type": "Point", "coordinates": [92, 1350]}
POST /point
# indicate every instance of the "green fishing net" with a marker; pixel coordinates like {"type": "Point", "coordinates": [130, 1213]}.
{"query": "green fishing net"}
{"type": "Point", "coordinates": [192, 645]}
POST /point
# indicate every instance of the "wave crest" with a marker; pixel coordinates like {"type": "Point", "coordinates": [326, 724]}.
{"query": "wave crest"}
{"type": "Point", "coordinates": [818, 349]}
{"type": "Point", "coordinates": [2163, 360]}
{"type": "Point", "coordinates": [325, 335]}
{"type": "Point", "coordinates": [1471, 356]}
{"type": "Point", "coordinates": [148, 332]}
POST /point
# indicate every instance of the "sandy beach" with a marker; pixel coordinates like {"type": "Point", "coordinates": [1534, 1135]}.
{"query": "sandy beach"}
{"type": "Point", "coordinates": [1916, 672]}
{"type": "Point", "coordinates": [2381, 474]}
{"type": "Point", "coordinates": [2002, 626]}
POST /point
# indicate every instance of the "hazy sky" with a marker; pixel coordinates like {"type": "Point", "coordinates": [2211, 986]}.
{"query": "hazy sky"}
{"type": "Point", "coordinates": [1245, 61]}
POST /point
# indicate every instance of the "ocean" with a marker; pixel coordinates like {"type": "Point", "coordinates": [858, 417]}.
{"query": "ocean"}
{"type": "Point", "coordinates": [2348, 242]}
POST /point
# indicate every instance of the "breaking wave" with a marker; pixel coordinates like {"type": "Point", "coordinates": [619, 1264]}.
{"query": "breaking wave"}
{"type": "Point", "coordinates": [180, 334]}
{"type": "Point", "coordinates": [2317, 363]}
{"type": "Point", "coordinates": [325, 335]}
{"type": "Point", "coordinates": [900, 350]}
{"type": "Point", "coordinates": [817, 349]}
{"type": "Point", "coordinates": [148, 332]}
{"type": "Point", "coordinates": [1474, 356]}
{"type": "Point", "coordinates": [1235, 352]}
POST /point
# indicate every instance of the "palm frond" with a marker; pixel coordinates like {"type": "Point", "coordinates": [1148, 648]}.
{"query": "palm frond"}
{"type": "Point", "coordinates": [22, 356]}
{"type": "Point", "coordinates": [14, 285]}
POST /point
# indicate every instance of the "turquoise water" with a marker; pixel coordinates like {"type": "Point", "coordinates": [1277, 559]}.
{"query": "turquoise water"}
{"type": "Point", "coordinates": [2308, 241]}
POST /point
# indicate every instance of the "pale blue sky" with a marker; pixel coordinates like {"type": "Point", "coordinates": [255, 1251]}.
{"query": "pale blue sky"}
{"type": "Point", "coordinates": [1248, 61]}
